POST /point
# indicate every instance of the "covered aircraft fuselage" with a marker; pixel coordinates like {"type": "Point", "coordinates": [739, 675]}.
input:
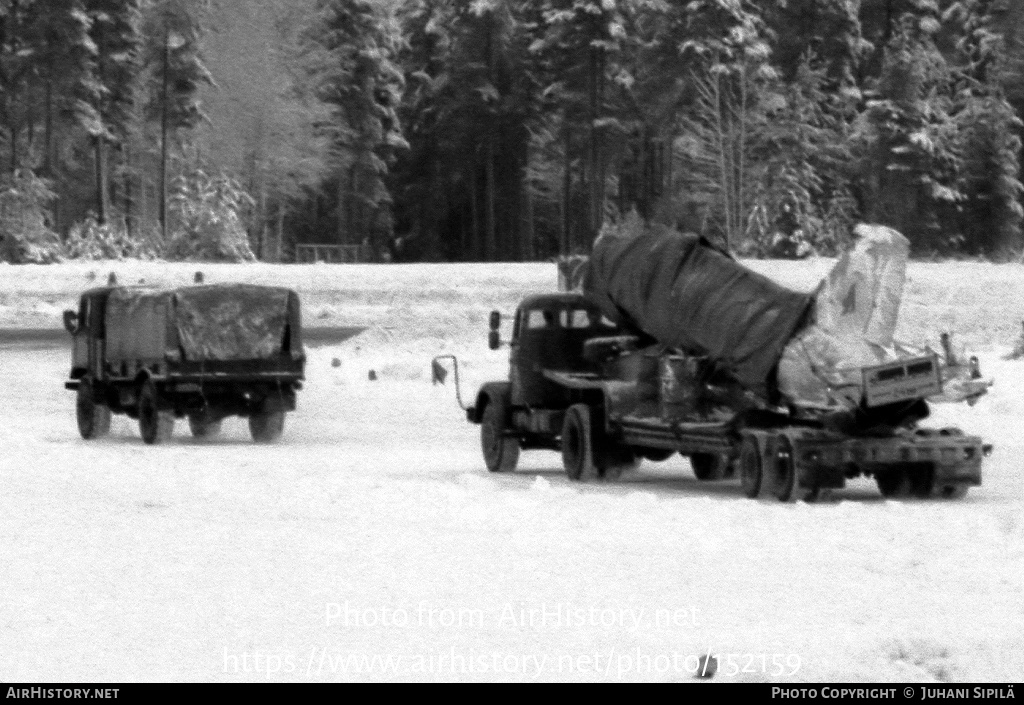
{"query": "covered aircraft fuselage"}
{"type": "Point", "coordinates": [684, 293]}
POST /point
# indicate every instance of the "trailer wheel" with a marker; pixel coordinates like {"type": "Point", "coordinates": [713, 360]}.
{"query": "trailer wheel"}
{"type": "Point", "coordinates": [266, 426]}
{"type": "Point", "coordinates": [578, 444]}
{"type": "Point", "coordinates": [786, 480]}
{"type": "Point", "coordinates": [921, 480]}
{"type": "Point", "coordinates": [709, 467]}
{"type": "Point", "coordinates": [501, 452]}
{"type": "Point", "coordinates": [202, 425]}
{"type": "Point", "coordinates": [93, 417]}
{"type": "Point", "coordinates": [751, 469]}
{"type": "Point", "coordinates": [156, 423]}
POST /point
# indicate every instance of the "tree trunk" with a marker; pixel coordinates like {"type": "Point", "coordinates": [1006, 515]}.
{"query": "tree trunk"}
{"type": "Point", "coordinates": [30, 120]}
{"type": "Point", "coordinates": [102, 194]}
{"type": "Point", "coordinates": [12, 86]}
{"type": "Point", "coordinates": [48, 128]}
{"type": "Point", "coordinates": [491, 243]}
{"type": "Point", "coordinates": [279, 240]}
{"type": "Point", "coordinates": [341, 210]}
{"type": "Point", "coordinates": [590, 169]}
{"type": "Point", "coordinates": [566, 190]}
{"type": "Point", "coordinates": [600, 168]}
{"type": "Point", "coordinates": [354, 207]}
{"type": "Point", "coordinates": [527, 249]}
{"type": "Point", "coordinates": [476, 250]}
{"type": "Point", "coordinates": [163, 133]}
{"type": "Point", "coordinates": [129, 196]}
{"type": "Point", "coordinates": [261, 221]}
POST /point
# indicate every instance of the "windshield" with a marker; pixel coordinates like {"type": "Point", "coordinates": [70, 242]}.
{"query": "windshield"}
{"type": "Point", "coordinates": [578, 318]}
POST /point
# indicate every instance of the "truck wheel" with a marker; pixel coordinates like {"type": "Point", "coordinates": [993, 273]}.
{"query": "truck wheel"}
{"type": "Point", "coordinates": [578, 444]}
{"type": "Point", "coordinates": [501, 452]}
{"type": "Point", "coordinates": [93, 417]}
{"type": "Point", "coordinates": [709, 467]}
{"type": "Point", "coordinates": [751, 468]}
{"type": "Point", "coordinates": [266, 426]}
{"type": "Point", "coordinates": [156, 424]}
{"type": "Point", "coordinates": [203, 426]}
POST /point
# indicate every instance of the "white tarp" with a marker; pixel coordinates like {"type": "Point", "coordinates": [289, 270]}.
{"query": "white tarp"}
{"type": "Point", "coordinates": [855, 315]}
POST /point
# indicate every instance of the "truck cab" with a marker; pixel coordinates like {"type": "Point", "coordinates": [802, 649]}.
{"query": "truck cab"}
{"type": "Point", "coordinates": [550, 337]}
{"type": "Point", "coordinates": [548, 334]}
{"type": "Point", "coordinates": [86, 326]}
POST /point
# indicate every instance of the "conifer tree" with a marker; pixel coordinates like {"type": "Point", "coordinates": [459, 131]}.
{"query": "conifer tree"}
{"type": "Point", "coordinates": [351, 47]}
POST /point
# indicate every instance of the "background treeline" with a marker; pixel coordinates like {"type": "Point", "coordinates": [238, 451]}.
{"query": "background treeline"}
{"type": "Point", "coordinates": [505, 129]}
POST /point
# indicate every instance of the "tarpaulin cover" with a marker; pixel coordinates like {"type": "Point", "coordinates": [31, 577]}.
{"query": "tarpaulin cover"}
{"type": "Point", "coordinates": [855, 318]}
{"type": "Point", "coordinates": [231, 321]}
{"type": "Point", "coordinates": [136, 323]}
{"type": "Point", "coordinates": [686, 294]}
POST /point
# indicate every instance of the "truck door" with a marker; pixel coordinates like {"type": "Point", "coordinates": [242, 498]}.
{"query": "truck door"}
{"type": "Point", "coordinates": [537, 343]}
{"type": "Point", "coordinates": [515, 355]}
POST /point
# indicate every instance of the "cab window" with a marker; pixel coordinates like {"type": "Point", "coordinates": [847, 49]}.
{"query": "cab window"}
{"type": "Point", "coordinates": [541, 318]}
{"type": "Point", "coordinates": [577, 318]}
{"type": "Point", "coordinates": [586, 318]}
{"type": "Point", "coordinates": [84, 311]}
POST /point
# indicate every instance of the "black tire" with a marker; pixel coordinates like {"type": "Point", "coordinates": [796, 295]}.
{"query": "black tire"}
{"type": "Point", "coordinates": [785, 479]}
{"type": "Point", "coordinates": [156, 422]}
{"type": "Point", "coordinates": [202, 425]}
{"type": "Point", "coordinates": [93, 417]}
{"type": "Point", "coordinates": [501, 452]}
{"type": "Point", "coordinates": [578, 444]}
{"type": "Point", "coordinates": [709, 467]}
{"type": "Point", "coordinates": [266, 426]}
{"type": "Point", "coordinates": [922, 481]}
{"type": "Point", "coordinates": [751, 468]}
{"type": "Point", "coordinates": [785, 485]}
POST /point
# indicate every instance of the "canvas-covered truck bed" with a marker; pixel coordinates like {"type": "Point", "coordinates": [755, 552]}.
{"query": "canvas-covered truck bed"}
{"type": "Point", "coordinates": [202, 352]}
{"type": "Point", "coordinates": [217, 329]}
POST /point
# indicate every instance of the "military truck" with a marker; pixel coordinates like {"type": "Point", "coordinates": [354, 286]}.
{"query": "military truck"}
{"type": "Point", "coordinates": [198, 352]}
{"type": "Point", "coordinates": [588, 377]}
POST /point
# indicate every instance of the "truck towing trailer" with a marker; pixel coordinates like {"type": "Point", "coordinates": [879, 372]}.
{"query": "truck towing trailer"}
{"type": "Point", "coordinates": [609, 382]}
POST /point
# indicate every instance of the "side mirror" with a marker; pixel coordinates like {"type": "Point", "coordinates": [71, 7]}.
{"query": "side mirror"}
{"type": "Point", "coordinates": [495, 320]}
{"type": "Point", "coordinates": [494, 340]}
{"type": "Point", "coordinates": [71, 321]}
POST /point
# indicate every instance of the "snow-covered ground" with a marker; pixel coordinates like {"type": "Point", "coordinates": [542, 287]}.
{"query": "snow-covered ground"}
{"type": "Point", "coordinates": [371, 543]}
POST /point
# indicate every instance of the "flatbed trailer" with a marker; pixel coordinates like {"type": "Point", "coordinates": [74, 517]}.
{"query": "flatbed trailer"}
{"type": "Point", "coordinates": [608, 411]}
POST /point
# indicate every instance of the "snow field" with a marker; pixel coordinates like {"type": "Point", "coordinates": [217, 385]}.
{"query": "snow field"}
{"type": "Point", "coordinates": [373, 531]}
